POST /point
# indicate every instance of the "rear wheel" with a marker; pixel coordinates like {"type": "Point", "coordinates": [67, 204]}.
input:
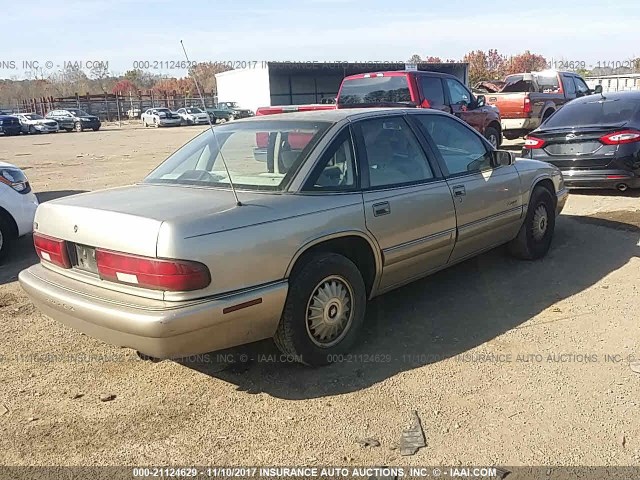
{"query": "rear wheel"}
{"type": "Point", "coordinates": [535, 235]}
{"type": "Point", "coordinates": [95, 129]}
{"type": "Point", "coordinates": [324, 311]}
{"type": "Point", "coordinates": [8, 235]}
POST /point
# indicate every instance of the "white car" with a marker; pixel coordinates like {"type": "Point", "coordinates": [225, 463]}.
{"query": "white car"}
{"type": "Point", "coordinates": [160, 117]}
{"type": "Point", "coordinates": [34, 123]}
{"type": "Point", "coordinates": [193, 116]}
{"type": "Point", "coordinates": [18, 206]}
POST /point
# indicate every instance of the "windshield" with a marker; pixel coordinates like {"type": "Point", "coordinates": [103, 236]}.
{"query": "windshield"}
{"type": "Point", "coordinates": [260, 155]}
{"type": "Point", "coordinates": [33, 116]}
{"type": "Point", "coordinates": [163, 110]}
{"type": "Point", "coordinates": [78, 112]}
{"type": "Point", "coordinates": [193, 110]}
{"type": "Point", "coordinates": [595, 112]}
{"type": "Point", "coordinates": [373, 90]}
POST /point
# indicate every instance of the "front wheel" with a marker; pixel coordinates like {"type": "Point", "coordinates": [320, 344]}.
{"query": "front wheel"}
{"type": "Point", "coordinates": [535, 235]}
{"type": "Point", "coordinates": [78, 127]}
{"type": "Point", "coordinates": [493, 136]}
{"type": "Point", "coordinates": [324, 311]}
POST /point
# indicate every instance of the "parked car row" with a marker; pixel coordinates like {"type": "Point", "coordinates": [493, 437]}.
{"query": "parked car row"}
{"type": "Point", "coordinates": [78, 120]}
{"type": "Point", "coordinates": [165, 117]}
{"type": "Point", "coordinates": [62, 119]}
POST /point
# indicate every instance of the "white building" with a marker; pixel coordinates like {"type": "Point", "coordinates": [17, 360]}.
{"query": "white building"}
{"type": "Point", "coordinates": [615, 83]}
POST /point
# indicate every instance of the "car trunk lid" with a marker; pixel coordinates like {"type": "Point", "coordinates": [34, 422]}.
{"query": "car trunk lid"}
{"type": "Point", "coordinates": [579, 148]}
{"type": "Point", "coordinates": [126, 219]}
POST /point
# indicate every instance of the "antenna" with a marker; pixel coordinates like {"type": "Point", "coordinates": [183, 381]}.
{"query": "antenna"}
{"type": "Point", "coordinates": [213, 132]}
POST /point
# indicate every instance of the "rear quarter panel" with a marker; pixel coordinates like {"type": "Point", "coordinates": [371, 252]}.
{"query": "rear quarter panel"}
{"type": "Point", "coordinates": [262, 252]}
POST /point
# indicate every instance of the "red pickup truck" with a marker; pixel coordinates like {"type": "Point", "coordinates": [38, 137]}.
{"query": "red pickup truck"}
{"type": "Point", "coordinates": [422, 89]}
{"type": "Point", "coordinates": [527, 99]}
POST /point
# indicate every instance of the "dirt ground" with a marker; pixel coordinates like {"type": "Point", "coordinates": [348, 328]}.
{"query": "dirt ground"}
{"type": "Point", "coordinates": [506, 362]}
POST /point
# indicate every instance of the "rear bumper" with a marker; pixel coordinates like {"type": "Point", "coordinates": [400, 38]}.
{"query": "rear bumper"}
{"type": "Point", "coordinates": [157, 328]}
{"type": "Point", "coordinates": [600, 178]}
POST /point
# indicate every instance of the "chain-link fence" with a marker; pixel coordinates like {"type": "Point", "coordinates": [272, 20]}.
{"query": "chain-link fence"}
{"type": "Point", "coordinates": [112, 107]}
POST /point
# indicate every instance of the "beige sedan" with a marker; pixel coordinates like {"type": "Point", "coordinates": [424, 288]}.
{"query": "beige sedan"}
{"type": "Point", "coordinates": [335, 207]}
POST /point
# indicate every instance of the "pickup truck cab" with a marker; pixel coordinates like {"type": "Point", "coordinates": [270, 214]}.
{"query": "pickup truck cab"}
{"type": "Point", "coordinates": [528, 99]}
{"type": "Point", "coordinates": [422, 89]}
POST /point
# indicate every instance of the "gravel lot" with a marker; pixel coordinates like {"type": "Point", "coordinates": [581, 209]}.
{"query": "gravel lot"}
{"type": "Point", "coordinates": [505, 361]}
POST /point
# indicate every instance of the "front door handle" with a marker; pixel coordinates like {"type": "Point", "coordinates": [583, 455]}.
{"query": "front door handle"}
{"type": "Point", "coordinates": [458, 191]}
{"type": "Point", "coordinates": [382, 208]}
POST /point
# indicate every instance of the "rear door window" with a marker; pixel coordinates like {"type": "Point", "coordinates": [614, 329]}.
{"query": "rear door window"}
{"type": "Point", "coordinates": [432, 89]}
{"type": "Point", "coordinates": [569, 86]}
{"type": "Point", "coordinates": [374, 90]}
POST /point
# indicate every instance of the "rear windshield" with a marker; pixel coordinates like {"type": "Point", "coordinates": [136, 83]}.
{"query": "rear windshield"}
{"type": "Point", "coordinates": [375, 90]}
{"type": "Point", "coordinates": [531, 83]}
{"type": "Point", "coordinates": [260, 155]}
{"type": "Point", "coordinates": [595, 111]}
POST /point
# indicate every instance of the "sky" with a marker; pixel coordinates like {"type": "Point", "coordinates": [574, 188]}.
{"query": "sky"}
{"type": "Point", "coordinates": [130, 33]}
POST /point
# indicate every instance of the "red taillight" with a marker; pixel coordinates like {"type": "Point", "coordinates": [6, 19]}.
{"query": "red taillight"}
{"type": "Point", "coordinates": [620, 137]}
{"type": "Point", "coordinates": [158, 274]}
{"type": "Point", "coordinates": [526, 108]}
{"type": "Point", "coordinates": [532, 143]}
{"type": "Point", "coordinates": [51, 250]}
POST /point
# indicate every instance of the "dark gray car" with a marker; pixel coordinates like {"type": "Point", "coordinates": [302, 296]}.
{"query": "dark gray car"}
{"type": "Point", "coordinates": [74, 119]}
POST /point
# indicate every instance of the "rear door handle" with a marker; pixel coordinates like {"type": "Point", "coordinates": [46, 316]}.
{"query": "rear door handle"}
{"type": "Point", "coordinates": [382, 208]}
{"type": "Point", "coordinates": [459, 191]}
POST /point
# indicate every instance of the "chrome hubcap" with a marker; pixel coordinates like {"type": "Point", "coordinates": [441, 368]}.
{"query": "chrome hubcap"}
{"type": "Point", "coordinates": [329, 311]}
{"type": "Point", "coordinates": [540, 222]}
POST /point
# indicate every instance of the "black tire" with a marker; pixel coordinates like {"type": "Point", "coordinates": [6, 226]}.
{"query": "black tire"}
{"type": "Point", "coordinates": [492, 133]}
{"type": "Point", "coordinates": [32, 130]}
{"type": "Point", "coordinates": [8, 235]}
{"type": "Point", "coordinates": [546, 115]}
{"type": "Point", "coordinates": [528, 245]}
{"type": "Point", "coordinates": [511, 136]}
{"type": "Point", "coordinates": [78, 127]}
{"type": "Point", "coordinates": [293, 336]}
{"type": "Point", "coordinates": [95, 129]}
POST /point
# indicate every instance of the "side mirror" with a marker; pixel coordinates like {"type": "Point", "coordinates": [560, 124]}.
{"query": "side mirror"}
{"type": "Point", "coordinates": [597, 89]}
{"type": "Point", "coordinates": [481, 101]}
{"type": "Point", "coordinates": [501, 158]}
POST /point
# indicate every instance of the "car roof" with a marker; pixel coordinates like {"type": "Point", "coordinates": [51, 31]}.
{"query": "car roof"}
{"type": "Point", "coordinates": [627, 95]}
{"type": "Point", "coordinates": [410, 72]}
{"type": "Point", "coordinates": [337, 115]}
